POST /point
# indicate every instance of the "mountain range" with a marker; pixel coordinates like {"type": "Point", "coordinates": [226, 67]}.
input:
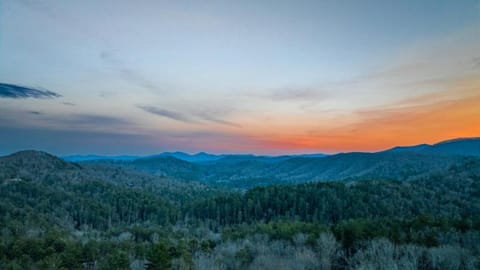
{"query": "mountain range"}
{"type": "Point", "coordinates": [71, 212]}
{"type": "Point", "coordinates": [200, 157]}
{"type": "Point", "coordinates": [246, 171]}
{"type": "Point", "coordinates": [460, 146]}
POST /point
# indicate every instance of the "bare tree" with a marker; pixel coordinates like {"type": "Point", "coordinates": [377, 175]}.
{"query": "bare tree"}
{"type": "Point", "coordinates": [328, 249]}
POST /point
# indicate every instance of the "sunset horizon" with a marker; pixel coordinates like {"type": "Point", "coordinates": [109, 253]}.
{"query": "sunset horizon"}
{"type": "Point", "coordinates": [240, 134]}
{"type": "Point", "coordinates": [276, 153]}
{"type": "Point", "coordinates": [242, 78]}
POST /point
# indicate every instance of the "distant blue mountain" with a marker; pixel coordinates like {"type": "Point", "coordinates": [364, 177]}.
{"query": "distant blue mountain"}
{"type": "Point", "coordinates": [311, 155]}
{"type": "Point", "coordinates": [200, 157]}
{"type": "Point", "coordinates": [413, 148]}
{"type": "Point", "coordinates": [461, 146]}
{"type": "Point", "coordinates": [79, 158]}
{"type": "Point", "coordinates": [246, 170]}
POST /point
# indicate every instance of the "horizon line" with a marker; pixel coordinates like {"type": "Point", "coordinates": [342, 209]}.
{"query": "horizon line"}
{"type": "Point", "coordinates": [236, 153]}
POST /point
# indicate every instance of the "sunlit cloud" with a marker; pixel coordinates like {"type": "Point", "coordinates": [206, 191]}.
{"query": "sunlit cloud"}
{"type": "Point", "coordinates": [423, 119]}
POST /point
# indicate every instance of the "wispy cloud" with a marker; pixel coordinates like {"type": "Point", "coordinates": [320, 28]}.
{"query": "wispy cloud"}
{"type": "Point", "coordinates": [166, 113]}
{"type": "Point", "coordinates": [420, 119]}
{"type": "Point", "coordinates": [18, 118]}
{"type": "Point", "coordinates": [187, 118]}
{"type": "Point", "coordinates": [219, 121]}
{"type": "Point", "coordinates": [39, 7]}
{"type": "Point", "coordinates": [16, 91]}
{"type": "Point", "coordinates": [223, 122]}
{"type": "Point", "coordinates": [34, 112]}
{"type": "Point", "coordinates": [95, 120]}
{"type": "Point", "coordinates": [127, 74]}
{"type": "Point", "coordinates": [287, 94]}
{"type": "Point", "coordinates": [68, 103]}
{"type": "Point", "coordinates": [66, 141]}
{"type": "Point", "coordinates": [476, 62]}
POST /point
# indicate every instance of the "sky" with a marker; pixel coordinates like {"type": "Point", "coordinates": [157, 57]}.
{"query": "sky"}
{"type": "Point", "coordinates": [263, 77]}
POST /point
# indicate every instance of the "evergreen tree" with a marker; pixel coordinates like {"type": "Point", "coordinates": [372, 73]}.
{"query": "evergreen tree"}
{"type": "Point", "coordinates": [159, 258]}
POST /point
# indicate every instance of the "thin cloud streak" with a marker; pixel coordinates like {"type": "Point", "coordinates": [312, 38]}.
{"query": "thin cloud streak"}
{"type": "Point", "coordinates": [303, 94]}
{"type": "Point", "coordinates": [193, 118]}
{"type": "Point", "coordinates": [128, 74]}
{"type": "Point", "coordinates": [64, 141]}
{"type": "Point", "coordinates": [19, 119]}
{"type": "Point", "coordinates": [406, 122]}
{"type": "Point", "coordinates": [220, 121]}
{"type": "Point", "coordinates": [20, 92]}
{"type": "Point", "coordinates": [92, 119]}
{"type": "Point", "coordinates": [166, 113]}
{"type": "Point", "coordinates": [34, 112]}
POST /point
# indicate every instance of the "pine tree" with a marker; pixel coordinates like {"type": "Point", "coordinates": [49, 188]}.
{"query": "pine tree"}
{"type": "Point", "coordinates": [159, 258]}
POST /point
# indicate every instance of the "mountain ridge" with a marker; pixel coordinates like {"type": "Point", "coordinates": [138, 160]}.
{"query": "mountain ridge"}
{"type": "Point", "coordinates": [465, 146]}
{"type": "Point", "coordinates": [199, 157]}
{"type": "Point", "coordinates": [246, 171]}
{"type": "Point", "coordinates": [457, 146]}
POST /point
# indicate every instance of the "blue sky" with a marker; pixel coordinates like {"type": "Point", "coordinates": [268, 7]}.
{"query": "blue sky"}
{"type": "Point", "coordinates": [235, 76]}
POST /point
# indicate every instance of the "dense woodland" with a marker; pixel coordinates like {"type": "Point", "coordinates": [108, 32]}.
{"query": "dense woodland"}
{"type": "Point", "coordinates": [100, 215]}
{"type": "Point", "coordinates": [243, 173]}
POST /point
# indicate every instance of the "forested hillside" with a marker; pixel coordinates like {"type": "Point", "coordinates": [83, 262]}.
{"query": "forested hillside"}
{"type": "Point", "coordinates": [246, 172]}
{"type": "Point", "coordinates": [240, 135]}
{"type": "Point", "coordinates": [462, 147]}
{"type": "Point", "coordinates": [60, 215]}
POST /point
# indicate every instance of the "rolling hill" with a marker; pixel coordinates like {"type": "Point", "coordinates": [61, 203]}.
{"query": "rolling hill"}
{"type": "Point", "coordinates": [75, 215]}
{"type": "Point", "coordinates": [40, 167]}
{"type": "Point", "coordinates": [461, 146]}
{"type": "Point", "coordinates": [245, 171]}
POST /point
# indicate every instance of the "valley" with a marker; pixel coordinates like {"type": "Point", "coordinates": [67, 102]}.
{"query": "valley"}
{"type": "Point", "coordinates": [241, 212]}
